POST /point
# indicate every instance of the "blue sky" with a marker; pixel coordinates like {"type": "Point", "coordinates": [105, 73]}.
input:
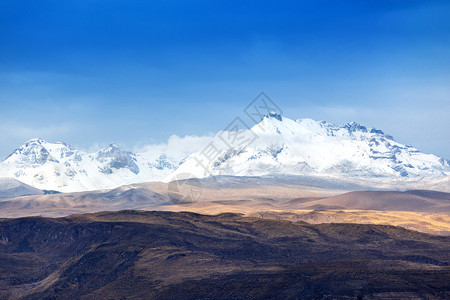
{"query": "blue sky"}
{"type": "Point", "coordinates": [135, 72]}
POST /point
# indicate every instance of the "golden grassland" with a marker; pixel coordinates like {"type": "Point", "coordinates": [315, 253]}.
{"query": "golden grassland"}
{"type": "Point", "coordinates": [432, 223]}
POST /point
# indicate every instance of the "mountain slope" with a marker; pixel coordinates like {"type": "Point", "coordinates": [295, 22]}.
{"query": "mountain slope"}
{"type": "Point", "coordinates": [10, 188]}
{"type": "Point", "coordinates": [279, 145]}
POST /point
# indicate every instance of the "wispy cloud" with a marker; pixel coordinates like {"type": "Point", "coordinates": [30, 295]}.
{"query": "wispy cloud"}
{"type": "Point", "coordinates": [176, 147]}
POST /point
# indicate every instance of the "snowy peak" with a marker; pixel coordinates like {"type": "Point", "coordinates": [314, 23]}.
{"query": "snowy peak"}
{"type": "Point", "coordinates": [308, 147]}
{"type": "Point", "coordinates": [274, 115]}
{"type": "Point", "coordinates": [274, 124]}
{"type": "Point", "coordinates": [35, 141]}
{"type": "Point", "coordinates": [117, 158]}
{"type": "Point", "coordinates": [113, 150]}
{"type": "Point", "coordinates": [353, 126]}
{"type": "Point", "coordinates": [38, 152]}
{"type": "Point", "coordinates": [162, 162]}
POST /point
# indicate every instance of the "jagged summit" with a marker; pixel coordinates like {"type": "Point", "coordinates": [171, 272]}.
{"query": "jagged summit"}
{"type": "Point", "coordinates": [111, 147]}
{"type": "Point", "coordinates": [273, 115]}
{"type": "Point", "coordinates": [117, 158]}
{"type": "Point", "coordinates": [35, 151]}
{"type": "Point", "coordinates": [35, 141]}
{"type": "Point", "coordinates": [273, 123]}
{"type": "Point", "coordinates": [42, 142]}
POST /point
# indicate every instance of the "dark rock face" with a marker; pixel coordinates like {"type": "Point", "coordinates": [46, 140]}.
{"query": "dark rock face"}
{"type": "Point", "coordinates": [119, 159]}
{"type": "Point", "coordinates": [34, 153]}
{"type": "Point", "coordinates": [274, 115]}
{"type": "Point", "coordinates": [352, 127]}
{"type": "Point", "coordinates": [165, 255]}
{"type": "Point", "coordinates": [162, 163]}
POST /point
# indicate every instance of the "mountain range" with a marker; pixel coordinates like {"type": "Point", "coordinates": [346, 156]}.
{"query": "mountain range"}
{"type": "Point", "coordinates": [59, 166]}
{"type": "Point", "coordinates": [275, 146]}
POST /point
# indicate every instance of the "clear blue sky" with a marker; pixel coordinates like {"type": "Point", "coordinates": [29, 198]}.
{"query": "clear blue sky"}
{"type": "Point", "coordinates": [135, 72]}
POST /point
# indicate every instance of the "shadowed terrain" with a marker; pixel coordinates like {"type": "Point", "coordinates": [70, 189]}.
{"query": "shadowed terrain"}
{"type": "Point", "coordinates": [424, 222]}
{"type": "Point", "coordinates": [10, 187]}
{"type": "Point", "coordinates": [161, 255]}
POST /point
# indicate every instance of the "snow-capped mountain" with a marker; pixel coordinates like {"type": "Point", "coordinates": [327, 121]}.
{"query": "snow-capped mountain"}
{"type": "Point", "coordinates": [279, 145]}
{"type": "Point", "coordinates": [275, 146]}
{"type": "Point", "coordinates": [58, 166]}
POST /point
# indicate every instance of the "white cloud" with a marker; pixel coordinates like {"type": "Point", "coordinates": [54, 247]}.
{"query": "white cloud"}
{"type": "Point", "coordinates": [176, 147]}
